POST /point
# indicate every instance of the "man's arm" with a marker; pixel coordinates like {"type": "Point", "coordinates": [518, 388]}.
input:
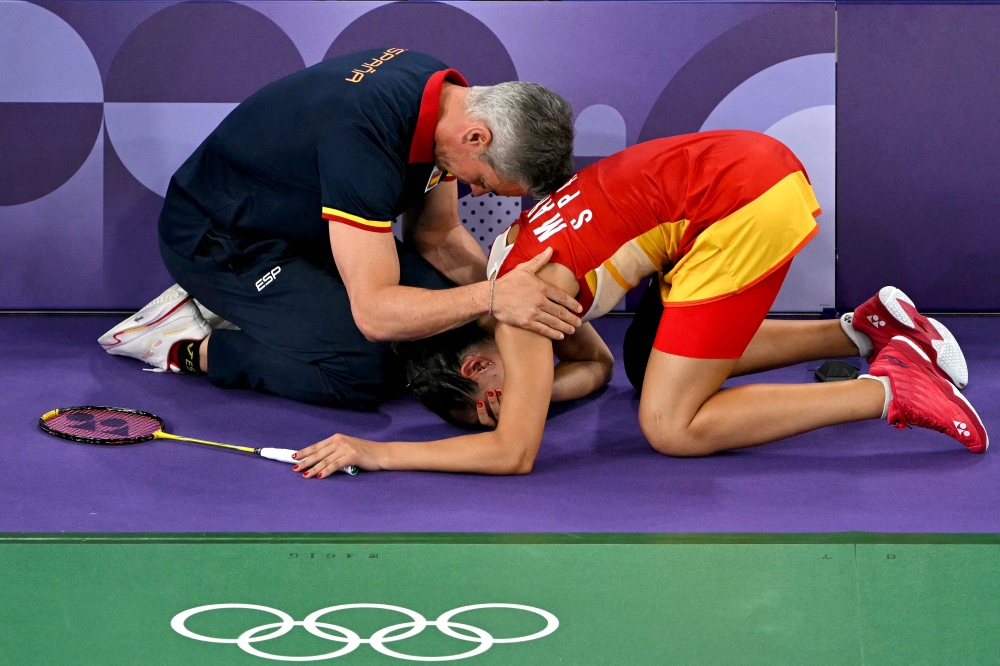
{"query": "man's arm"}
{"type": "Point", "coordinates": [437, 232]}
{"type": "Point", "coordinates": [510, 449]}
{"type": "Point", "coordinates": [359, 210]}
{"type": "Point", "coordinates": [384, 310]}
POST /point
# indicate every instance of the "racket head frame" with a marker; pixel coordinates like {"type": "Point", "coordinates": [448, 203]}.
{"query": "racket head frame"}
{"type": "Point", "coordinates": [103, 441]}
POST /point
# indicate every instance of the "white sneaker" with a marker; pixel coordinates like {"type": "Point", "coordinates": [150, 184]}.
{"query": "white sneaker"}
{"type": "Point", "coordinates": [213, 320]}
{"type": "Point", "coordinates": [149, 334]}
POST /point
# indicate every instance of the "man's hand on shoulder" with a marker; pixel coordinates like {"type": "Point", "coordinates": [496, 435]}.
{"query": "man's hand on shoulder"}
{"type": "Point", "coordinates": [522, 299]}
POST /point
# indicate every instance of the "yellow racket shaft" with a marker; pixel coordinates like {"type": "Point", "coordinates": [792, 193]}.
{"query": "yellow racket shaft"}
{"type": "Point", "coordinates": [159, 434]}
{"type": "Point", "coordinates": [281, 455]}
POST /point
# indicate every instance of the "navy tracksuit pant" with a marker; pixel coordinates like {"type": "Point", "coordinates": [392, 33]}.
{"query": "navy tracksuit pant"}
{"type": "Point", "coordinates": [298, 338]}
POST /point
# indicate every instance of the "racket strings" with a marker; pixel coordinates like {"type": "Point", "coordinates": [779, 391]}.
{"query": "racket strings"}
{"type": "Point", "coordinates": [104, 424]}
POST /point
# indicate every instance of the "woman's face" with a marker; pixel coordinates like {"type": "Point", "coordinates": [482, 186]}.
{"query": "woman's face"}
{"type": "Point", "coordinates": [485, 368]}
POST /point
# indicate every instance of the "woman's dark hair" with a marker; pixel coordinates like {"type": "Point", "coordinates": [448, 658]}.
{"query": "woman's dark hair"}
{"type": "Point", "coordinates": [433, 369]}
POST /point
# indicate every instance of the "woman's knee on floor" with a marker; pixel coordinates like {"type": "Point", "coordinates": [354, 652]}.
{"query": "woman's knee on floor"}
{"type": "Point", "coordinates": [669, 432]}
{"type": "Point", "coordinates": [676, 389]}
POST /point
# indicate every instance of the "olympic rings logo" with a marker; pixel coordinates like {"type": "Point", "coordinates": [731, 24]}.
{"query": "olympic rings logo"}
{"type": "Point", "coordinates": [352, 641]}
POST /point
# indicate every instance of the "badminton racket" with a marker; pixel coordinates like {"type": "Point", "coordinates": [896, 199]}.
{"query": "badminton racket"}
{"type": "Point", "coordinates": [116, 426]}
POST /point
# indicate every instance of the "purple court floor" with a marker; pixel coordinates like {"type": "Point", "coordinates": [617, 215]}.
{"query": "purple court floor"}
{"type": "Point", "coordinates": [594, 472]}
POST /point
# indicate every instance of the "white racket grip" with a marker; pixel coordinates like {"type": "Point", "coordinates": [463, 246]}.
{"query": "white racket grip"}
{"type": "Point", "coordinates": [281, 455]}
{"type": "Point", "coordinates": [285, 456]}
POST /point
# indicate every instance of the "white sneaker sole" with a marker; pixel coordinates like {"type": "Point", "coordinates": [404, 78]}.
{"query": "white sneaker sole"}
{"type": "Point", "coordinates": [950, 359]}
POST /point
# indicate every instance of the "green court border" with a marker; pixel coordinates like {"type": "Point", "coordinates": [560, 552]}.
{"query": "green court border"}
{"type": "Point", "coordinates": [514, 538]}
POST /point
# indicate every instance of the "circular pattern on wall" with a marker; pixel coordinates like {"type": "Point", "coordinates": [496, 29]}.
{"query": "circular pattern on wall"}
{"type": "Point", "coordinates": [732, 58]}
{"type": "Point", "coordinates": [600, 131]}
{"type": "Point", "coordinates": [777, 92]}
{"type": "Point", "coordinates": [180, 73]}
{"type": "Point", "coordinates": [470, 46]}
{"type": "Point", "coordinates": [201, 52]}
{"type": "Point", "coordinates": [50, 102]}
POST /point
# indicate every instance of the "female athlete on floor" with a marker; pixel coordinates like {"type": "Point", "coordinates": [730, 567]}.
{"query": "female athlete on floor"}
{"type": "Point", "coordinates": [719, 215]}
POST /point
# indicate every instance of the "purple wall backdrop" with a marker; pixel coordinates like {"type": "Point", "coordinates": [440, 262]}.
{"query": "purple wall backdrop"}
{"type": "Point", "coordinates": [918, 153]}
{"type": "Point", "coordinates": [100, 102]}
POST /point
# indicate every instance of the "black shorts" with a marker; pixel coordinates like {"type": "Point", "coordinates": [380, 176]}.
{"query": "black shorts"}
{"type": "Point", "coordinates": [641, 334]}
{"type": "Point", "coordinates": [298, 338]}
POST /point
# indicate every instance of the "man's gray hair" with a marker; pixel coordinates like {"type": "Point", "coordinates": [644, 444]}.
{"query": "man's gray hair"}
{"type": "Point", "coordinates": [532, 130]}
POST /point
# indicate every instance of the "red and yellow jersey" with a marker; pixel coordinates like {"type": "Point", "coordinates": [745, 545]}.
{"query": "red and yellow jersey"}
{"type": "Point", "coordinates": [723, 208]}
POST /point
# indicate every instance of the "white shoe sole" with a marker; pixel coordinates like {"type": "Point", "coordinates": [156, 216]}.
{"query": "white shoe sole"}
{"type": "Point", "coordinates": [950, 359]}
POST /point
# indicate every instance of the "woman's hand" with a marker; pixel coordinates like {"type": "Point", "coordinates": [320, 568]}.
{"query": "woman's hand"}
{"type": "Point", "coordinates": [324, 458]}
{"type": "Point", "coordinates": [489, 417]}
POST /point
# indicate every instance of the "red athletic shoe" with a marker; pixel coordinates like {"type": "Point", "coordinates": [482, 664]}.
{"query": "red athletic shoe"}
{"type": "Point", "coordinates": [890, 313]}
{"type": "Point", "coordinates": [921, 397]}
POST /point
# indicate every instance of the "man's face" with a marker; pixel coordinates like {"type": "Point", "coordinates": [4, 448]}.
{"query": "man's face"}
{"type": "Point", "coordinates": [457, 152]}
{"type": "Point", "coordinates": [481, 178]}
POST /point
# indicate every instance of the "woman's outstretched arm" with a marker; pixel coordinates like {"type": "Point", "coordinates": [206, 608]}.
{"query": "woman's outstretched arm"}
{"type": "Point", "coordinates": [510, 449]}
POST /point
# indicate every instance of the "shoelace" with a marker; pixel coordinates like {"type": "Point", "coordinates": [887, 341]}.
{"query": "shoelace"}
{"type": "Point", "coordinates": [906, 418]}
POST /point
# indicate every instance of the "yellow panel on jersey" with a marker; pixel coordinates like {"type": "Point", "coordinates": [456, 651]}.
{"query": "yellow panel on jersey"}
{"type": "Point", "coordinates": [662, 244]}
{"type": "Point", "coordinates": [592, 283]}
{"type": "Point", "coordinates": [745, 247]}
{"type": "Point", "coordinates": [335, 215]}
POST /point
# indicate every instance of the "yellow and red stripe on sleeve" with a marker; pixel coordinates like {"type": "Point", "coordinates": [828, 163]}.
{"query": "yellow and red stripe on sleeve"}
{"type": "Point", "coordinates": [335, 215]}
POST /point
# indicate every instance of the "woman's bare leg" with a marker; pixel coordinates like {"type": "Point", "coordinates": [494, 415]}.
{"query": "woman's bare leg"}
{"type": "Point", "coordinates": [780, 343]}
{"type": "Point", "coordinates": [203, 354]}
{"type": "Point", "coordinates": [683, 413]}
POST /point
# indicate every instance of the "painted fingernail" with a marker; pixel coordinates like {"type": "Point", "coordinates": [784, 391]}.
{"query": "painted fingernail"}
{"type": "Point", "coordinates": [295, 467]}
{"type": "Point", "coordinates": [489, 393]}
{"type": "Point", "coordinates": [479, 404]}
{"type": "Point", "coordinates": [295, 456]}
{"type": "Point", "coordinates": [320, 475]}
{"type": "Point", "coordinates": [499, 392]}
{"type": "Point", "coordinates": [305, 474]}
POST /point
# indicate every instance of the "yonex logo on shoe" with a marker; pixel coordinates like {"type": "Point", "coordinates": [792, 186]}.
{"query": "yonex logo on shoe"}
{"type": "Point", "coordinates": [962, 429]}
{"type": "Point", "coordinates": [875, 321]}
{"type": "Point", "coordinates": [268, 278]}
{"type": "Point", "coordinates": [138, 319]}
{"type": "Point", "coordinates": [896, 361]}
